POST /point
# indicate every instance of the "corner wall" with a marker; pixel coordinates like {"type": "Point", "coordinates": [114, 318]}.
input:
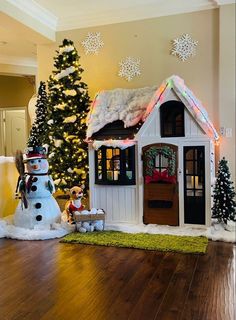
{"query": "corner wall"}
{"type": "Point", "coordinates": [227, 114]}
{"type": "Point", "coordinates": [15, 91]}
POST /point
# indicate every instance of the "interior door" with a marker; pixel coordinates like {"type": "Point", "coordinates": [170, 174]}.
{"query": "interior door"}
{"type": "Point", "coordinates": [194, 185]}
{"type": "Point", "coordinates": [15, 131]}
{"type": "Point", "coordinates": [161, 200]}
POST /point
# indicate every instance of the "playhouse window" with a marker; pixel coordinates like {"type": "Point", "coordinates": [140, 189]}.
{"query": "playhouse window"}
{"type": "Point", "coordinates": [115, 166]}
{"type": "Point", "coordinates": [172, 119]}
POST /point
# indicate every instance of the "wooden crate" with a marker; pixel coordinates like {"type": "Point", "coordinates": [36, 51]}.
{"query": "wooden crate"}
{"type": "Point", "coordinates": [89, 217]}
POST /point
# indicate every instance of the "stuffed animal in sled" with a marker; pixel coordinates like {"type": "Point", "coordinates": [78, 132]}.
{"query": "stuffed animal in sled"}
{"type": "Point", "coordinates": [98, 225]}
{"type": "Point", "coordinates": [74, 205]}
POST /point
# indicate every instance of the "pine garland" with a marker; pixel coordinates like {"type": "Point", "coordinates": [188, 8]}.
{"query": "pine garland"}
{"type": "Point", "coordinates": [224, 207]}
{"type": "Point", "coordinates": [150, 157]}
{"type": "Point", "coordinates": [68, 106]}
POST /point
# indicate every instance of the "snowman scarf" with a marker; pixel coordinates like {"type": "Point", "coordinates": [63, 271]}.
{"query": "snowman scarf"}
{"type": "Point", "coordinates": [31, 179]}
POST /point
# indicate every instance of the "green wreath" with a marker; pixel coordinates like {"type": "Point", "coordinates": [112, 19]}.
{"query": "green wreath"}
{"type": "Point", "coordinates": [150, 157]}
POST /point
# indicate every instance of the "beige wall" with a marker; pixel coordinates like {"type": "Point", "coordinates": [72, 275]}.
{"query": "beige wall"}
{"type": "Point", "coordinates": [150, 40]}
{"type": "Point", "coordinates": [15, 91]}
{"type": "Point", "coordinates": [8, 181]}
{"type": "Point", "coordinates": [227, 102]}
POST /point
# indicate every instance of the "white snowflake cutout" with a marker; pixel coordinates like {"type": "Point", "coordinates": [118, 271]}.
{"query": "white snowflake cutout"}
{"type": "Point", "coordinates": [129, 68]}
{"type": "Point", "coordinates": [184, 47]}
{"type": "Point", "coordinates": [92, 43]}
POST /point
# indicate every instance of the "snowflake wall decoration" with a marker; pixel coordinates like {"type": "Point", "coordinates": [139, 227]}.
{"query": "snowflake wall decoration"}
{"type": "Point", "coordinates": [92, 43]}
{"type": "Point", "coordinates": [129, 68]}
{"type": "Point", "coordinates": [184, 47]}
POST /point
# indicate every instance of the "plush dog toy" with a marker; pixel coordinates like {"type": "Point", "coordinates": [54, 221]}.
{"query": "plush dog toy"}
{"type": "Point", "coordinates": [74, 205]}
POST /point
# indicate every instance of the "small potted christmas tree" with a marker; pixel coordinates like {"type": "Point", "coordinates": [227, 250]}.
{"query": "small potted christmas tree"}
{"type": "Point", "coordinates": [223, 198]}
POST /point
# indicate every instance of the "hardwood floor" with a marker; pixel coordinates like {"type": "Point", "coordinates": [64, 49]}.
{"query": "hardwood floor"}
{"type": "Point", "coordinates": [49, 280]}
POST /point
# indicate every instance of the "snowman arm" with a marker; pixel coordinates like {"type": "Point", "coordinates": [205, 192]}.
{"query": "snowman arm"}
{"type": "Point", "coordinates": [51, 185]}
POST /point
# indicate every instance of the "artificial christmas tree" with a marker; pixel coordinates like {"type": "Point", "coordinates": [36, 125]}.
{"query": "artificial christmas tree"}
{"type": "Point", "coordinates": [223, 195]}
{"type": "Point", "coordinates": [38, 135]}
{"type": "Point", "coordinates": [68, 107]}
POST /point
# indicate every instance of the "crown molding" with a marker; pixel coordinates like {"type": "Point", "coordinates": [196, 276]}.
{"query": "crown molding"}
{"type": "Point", "coordinates": [223, 2]}
{"type": "Point", "coordinates": [36, 11]}
{"type": "Point", "coordinates": [18, 61]}
{"type": "Point", "coordinates": [134, 13]}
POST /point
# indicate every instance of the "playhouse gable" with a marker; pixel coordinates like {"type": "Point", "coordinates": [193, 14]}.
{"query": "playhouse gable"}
{"type": "Point", "coordinates": [134, 107]}
{"type": "Point", "coordinates": [175, 87]}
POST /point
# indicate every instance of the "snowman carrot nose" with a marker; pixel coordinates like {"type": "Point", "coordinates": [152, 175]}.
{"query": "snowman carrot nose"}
{"type": "Point", "coordinates": [35, 166]}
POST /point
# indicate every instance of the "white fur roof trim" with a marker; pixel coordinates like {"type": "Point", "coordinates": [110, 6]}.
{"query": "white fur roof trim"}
{"type": "Point", "coordinates": [128, 105]}
{"type": "Point", "coordinates": [134, 105]}
{"type": "Point", "coordinates": [122, 144]}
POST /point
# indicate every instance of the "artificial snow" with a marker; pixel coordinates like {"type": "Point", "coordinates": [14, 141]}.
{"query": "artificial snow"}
{"type": "Point", "coordinates": [216, 232]}
{"type": "Point", "coordinates": [128, 105]}
{"type": "Point", "coordinates": [122, 144]}
{"type": "Point", "coordinates": [6, 159]}
{"type": "Point", "coordinates": [9, 230]}
{"type": "Point", "coordinates": [134, 105]}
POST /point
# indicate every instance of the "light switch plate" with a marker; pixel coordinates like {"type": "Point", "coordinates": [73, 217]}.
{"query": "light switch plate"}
{"type": "Point", "coordinates": [228, 132]}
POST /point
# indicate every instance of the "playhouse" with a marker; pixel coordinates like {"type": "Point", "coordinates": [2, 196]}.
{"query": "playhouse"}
{"type": "Point", "coordinates": [151, 155]}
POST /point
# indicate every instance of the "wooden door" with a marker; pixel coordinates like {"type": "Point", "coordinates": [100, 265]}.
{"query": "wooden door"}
{"type": "Point", "coordinates": [161, 200]}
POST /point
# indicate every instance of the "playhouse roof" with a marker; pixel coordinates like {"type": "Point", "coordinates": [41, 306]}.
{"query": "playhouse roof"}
{"type": "Point", "coordinates": [132, 106]}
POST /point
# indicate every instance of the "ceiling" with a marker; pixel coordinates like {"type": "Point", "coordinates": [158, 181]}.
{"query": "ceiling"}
{"type": "Point", "coordinates": [24, 24]}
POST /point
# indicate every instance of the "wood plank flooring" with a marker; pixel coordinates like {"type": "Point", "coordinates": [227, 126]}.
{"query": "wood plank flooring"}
{"type": "Point", "coordinates": [49, 280]}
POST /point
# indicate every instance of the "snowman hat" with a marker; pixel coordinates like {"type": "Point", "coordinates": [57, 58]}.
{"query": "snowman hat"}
{"type": "Point", "coordinates": [33, 153]}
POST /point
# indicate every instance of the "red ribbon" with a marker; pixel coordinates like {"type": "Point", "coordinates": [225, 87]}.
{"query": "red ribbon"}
{"type": "Point", "coordinates": [160, 176]}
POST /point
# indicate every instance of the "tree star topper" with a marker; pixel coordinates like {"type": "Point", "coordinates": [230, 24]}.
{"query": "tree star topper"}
{"type": "Point", "coordinates": [92, 43]}
{"type": "Point", "coordinates": [129, 68]}
{"type": "Point", "coordinates": [184, 47]}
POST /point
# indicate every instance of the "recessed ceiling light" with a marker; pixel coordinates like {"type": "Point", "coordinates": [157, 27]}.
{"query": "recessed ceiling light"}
{"type": "Point", "coordinates": [2, 43]}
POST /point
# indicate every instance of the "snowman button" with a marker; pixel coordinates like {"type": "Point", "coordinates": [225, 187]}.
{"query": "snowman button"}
{"type": "Point", "coordinates": [39, 217]}
{"type": "Point", "coordinates": [35, 179]}
{"type": "Point", "coordinates": [38, 205]}
{"type": "Point", "coordinates": [33, 188]}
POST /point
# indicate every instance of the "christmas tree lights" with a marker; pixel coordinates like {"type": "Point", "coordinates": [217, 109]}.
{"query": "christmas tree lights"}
{"type": "Point", "coordinates": [68, 106]}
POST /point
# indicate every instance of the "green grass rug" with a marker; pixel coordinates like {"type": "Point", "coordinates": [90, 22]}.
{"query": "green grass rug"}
{"type": "Point", "coordinates": [160, 242]}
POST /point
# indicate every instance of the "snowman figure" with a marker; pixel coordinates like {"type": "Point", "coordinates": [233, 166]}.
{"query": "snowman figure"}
{"type": "Point", "coordinates": [38, 208]}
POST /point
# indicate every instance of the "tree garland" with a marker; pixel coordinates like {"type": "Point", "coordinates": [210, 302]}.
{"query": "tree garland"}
{"type": "Point", "coordinates": [150, 157]}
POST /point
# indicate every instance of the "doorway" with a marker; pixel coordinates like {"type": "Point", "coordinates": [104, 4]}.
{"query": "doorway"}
{"type": "Point", "coordinates": [161, 199]}
{"type": "Point", "coordinates": [194, 185]}
{"type": "Point", "coordinates": [13, 130]}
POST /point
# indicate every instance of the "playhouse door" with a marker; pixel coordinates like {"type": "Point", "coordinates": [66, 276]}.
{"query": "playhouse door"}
{"type": "Point", "coordinates": [161, 201]}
